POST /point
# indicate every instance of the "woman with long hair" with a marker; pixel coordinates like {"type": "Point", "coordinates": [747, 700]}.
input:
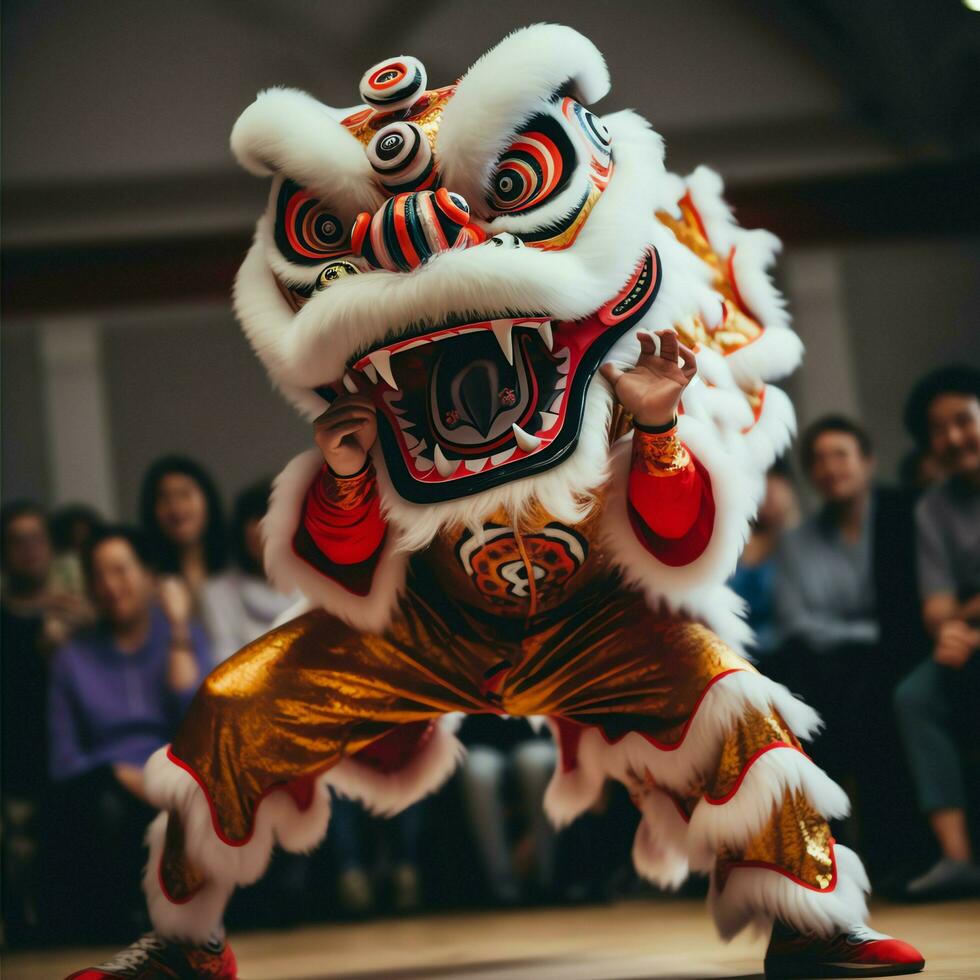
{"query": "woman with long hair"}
{"type": "Point", "coordinates": [181, 511]}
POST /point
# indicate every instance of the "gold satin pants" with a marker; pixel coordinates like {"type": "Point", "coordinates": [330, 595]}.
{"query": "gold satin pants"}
{"type": "Point", "coordinates": [304, 696]}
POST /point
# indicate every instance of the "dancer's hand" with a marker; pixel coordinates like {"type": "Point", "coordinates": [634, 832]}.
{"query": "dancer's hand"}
{"type": "Point", "coordinates": [345, 432]}
{"type": "Point", "coordinates": [651, 391]}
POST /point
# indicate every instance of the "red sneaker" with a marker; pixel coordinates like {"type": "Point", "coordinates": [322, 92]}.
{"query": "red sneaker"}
{"type": "Point", "coordinates": [861, 952]}
{"type": "Point", "coordinates": [153, 958]}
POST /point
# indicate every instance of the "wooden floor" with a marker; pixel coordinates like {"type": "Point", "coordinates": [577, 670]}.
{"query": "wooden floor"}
{"type": "Point", "coordinates": [667, 940]}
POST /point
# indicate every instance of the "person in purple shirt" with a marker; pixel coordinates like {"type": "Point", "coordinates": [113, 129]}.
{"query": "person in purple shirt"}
{"type": "Point", "coordinates": [117, 692]}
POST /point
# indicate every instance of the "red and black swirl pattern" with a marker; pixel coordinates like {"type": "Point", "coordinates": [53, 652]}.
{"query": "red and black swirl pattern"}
{"type": "Point", "coordinates": [537, 165]}
{"type": "Point", "coordinates": [307, 231]}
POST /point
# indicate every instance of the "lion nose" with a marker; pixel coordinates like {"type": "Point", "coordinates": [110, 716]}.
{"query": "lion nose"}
{"type": "Point", "coordinates": [408, 229]}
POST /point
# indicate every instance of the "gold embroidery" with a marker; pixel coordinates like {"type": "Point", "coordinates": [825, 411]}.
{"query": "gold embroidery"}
{"type": "Point", "coordinates": [659, 454]}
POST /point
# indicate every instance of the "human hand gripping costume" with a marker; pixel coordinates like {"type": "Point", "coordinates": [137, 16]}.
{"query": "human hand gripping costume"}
{"type": "Point", "coordinates": [492, 524]}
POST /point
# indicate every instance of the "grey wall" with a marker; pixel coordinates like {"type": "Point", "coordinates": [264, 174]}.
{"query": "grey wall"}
{"type": "Point", "coordinates": [22, 422]}
{"type": "Point", "coordinates": [911, 307]}
{"type": "Point", "coordinates": [194, 387]}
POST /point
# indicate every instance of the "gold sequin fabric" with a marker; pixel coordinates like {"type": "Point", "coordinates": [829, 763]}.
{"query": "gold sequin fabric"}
{"type": "Point", "coordinates": [659, 454]}
{"type": "Point", "coordinates": [796, 841]}
{"type": "Point", "coordinates": [304, 696]}
{"type": "Point", "coordinates": [755, 733]}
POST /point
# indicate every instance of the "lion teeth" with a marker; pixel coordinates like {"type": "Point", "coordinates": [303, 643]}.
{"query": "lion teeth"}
{"type": "Point", "coordinates": [544, 332]}
{"type": "Point", "coordinates": [410, 441]}
{"type": "Point", "coordinates": [502, 331]}
{"type": "Point", "coordinates": [350, 384]}
{"type": "Point", "coordinates": [381, 359]}
{"type": "Point", "coordinates": [475, 465]}
{"type": "Point", "coordinates": [525, 440]}
{"type": "Point", "coordinates": [499, 458]}
{"type": "Point", "coordinates": [423, 464]}
{"type": "Point", "coordinates": [416, 449]}
{"type": "Point", "coordinates": [555, 406]}
{"type": "Point", "coordinates": [565, 357]}
{"type": "Point", "coordinates": [405, 423]}
{"type": "Point", "coordinates": [548, 420]}
{"type": "Point", "coordinates": [371, 372]}
{"type": "Point", "coordinates": [561, 383]}
{"type": "Point", "coordinates": [446, 467]}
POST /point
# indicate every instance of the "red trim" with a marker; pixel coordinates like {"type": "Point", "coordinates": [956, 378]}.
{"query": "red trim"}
{"type": "Point", "coordinates": [303, 788]}
{"type": "Point", "coordinates": [766, 866]}
{"type": "Point", "coordinates": [718, 801]}
{"type": "Point", "coordinates": [730, 266]}
{"type": "Point", "coordinates": [166, 893]}
{"type": "Point", "coordinates": [355, 590]}
{"type": "Point", "coordinates": [392, 66]}
{"type": "Point", "coordinates": [663, 746]}
{"type": "Point", "coordinates": [688, 201]}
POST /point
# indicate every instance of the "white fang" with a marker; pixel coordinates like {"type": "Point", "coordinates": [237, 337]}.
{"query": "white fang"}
{"type": "Point", "coordinates": [381, 359]}
{"type": "Point", "coordinates": [350, 384]}
{"type": "Point", "coordinates": [502, 331]}
{"type": "Point", "coordinates": [544, 332]}
{"type": "Point", "coordinates": [446, 467]}
{"type": "Point", "coordinates": [525, 440]}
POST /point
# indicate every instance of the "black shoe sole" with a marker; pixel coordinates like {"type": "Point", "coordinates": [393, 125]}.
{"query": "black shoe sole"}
{"type": "Point", "coordinates": [798, 968]}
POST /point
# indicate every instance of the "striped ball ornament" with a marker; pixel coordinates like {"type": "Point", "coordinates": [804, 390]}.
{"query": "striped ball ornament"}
{"type": "Point", "coordinates": [393, 84]}
{"type": "Point", "coordinates": [408, 229]}
{"type": "Point", "coordinates": [402, 158]}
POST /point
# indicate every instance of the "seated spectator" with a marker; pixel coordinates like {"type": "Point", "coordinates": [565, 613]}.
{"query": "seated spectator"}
{"type": "Point", "coordinates": [181, 513]}
{"type": "Point", "coordinates": [919, 470]}
{"type": "Point", "coordinates": [847, 621]}
{"type": "Point", "coordinates": [72, 527]}
{"type": "Point", "coordinates": [357, 862]}
{"type": "Point", "coordinates": [500, 751]}
{"type": "Point", "coordinates": [34, 616]}
{"type": "Point", "coordinates": [754, 579]}
{"type": "Point", "coordinates": [941, 694]}
{"type": "Point", "coordinates": [116, 694]}
{"type": "Point", "coordinates": [240, 605]}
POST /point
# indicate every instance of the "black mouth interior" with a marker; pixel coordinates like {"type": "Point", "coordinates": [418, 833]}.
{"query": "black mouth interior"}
{"type": "Point", "coordinates": [464, 395]}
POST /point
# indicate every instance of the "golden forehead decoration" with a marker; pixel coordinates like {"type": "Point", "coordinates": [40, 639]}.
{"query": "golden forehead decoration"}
{"type": "Point", "coordinates": [426, 113]}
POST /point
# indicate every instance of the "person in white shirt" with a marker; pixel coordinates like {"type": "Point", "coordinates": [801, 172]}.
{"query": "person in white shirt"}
{"type": "Point", "coordinates": [240, 605]}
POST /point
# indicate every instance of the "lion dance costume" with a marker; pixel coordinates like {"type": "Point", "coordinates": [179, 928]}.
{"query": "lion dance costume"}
{"type": "Point", "coordinates": [467, 257]}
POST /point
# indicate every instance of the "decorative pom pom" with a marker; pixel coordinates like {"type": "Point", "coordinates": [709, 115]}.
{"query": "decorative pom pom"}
{"type": "Point", "coordinates": [402, 157]}
{"type": "Point", "coordinates": [393, 84]}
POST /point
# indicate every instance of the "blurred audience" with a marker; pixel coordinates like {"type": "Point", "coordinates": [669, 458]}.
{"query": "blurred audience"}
{"type": "Point", "coordinates": [117, 691]}
{"type": "Point", "coordinates": [181, 512]}
{"type": "Point", "coordinates": [755, 576]}
{"type": "Point", "coordinates": [365, 847]}
{"type": "Point", "coordinates": [72, 527]}
{"type": "Point", "coordinates": [919, 470]}
{"type": "Point", "coordinates": [937, 703]}
{"type": "Point", "coordinates": [240, 605]}
{"type": "Point", "coordinates": [504, 756]}
{"type": "Point", "coordinates": [847, 620]}
{"type": "Point", "coordinates": [35, 615]}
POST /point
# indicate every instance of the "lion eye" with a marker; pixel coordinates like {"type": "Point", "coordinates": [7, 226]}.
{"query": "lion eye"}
{"type": "Point", "coordinates": [538, 164]}
{"type": "Point", "coordinates": [307, 231]}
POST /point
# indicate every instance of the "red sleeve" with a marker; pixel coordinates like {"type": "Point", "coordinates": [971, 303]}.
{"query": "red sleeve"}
{"type": "Point", "coordinates": [342, 531]}
{"type": "Point", "coordinates": [671, 507]}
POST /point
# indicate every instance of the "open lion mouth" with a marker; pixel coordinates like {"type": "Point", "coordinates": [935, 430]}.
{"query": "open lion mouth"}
{"type": "Point", "coordinates": [472, 404]}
